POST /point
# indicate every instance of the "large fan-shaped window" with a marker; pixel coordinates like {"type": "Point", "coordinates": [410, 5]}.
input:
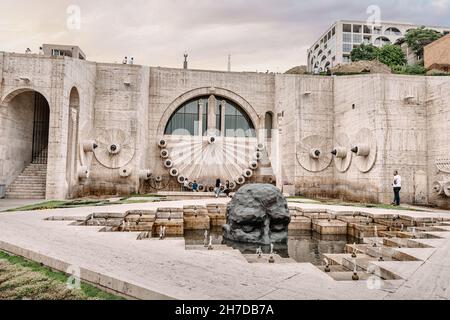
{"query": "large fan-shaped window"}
{"type": "Point", "coordinates": [230, 119]}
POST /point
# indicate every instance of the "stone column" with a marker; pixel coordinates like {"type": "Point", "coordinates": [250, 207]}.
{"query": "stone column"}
{"type": "Point", "coordinates": [222, 118]}
{"type": "Point", "coordinates": [200, 118]}
{"type": "Point", "coordinates": [212, 113]}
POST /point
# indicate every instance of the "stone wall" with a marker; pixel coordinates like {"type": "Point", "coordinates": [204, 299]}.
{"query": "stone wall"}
{"type": "Point", "coordinates": [406, 119]}
{"type": "Point", "coordinates": [438, 134]}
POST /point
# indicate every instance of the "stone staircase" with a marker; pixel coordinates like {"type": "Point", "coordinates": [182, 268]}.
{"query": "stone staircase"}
{"type": "Point", "coordinates": [30, 184]}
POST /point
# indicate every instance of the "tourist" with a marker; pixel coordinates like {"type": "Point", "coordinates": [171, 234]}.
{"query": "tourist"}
{"type": "Point", "coordinates": [186, 184]}
{"type": "Point", "coordinates": [227, 190]}
{"type": "Point", "coordinates": [125, 60]}
{"type": "Point", "coordinates": [195, 186]}
{"type": "Point", "coordinates": [132, 60]}
{"type": "Point", "coordinates": [397, 185]}
{"type": "Point", "coordinates": [217, 188]}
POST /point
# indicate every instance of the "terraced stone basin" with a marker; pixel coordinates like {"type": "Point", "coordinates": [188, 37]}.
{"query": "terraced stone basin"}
{"type": "Point", "coordinates": [302, 246]}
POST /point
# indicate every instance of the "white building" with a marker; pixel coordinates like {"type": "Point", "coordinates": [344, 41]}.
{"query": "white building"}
{"type": "Point", "coordinates": [335, 45]}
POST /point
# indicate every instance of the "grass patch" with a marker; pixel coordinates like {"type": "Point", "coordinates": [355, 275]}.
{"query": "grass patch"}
{"type": "Point", "coordinates": [24, 279]}
{"type": "Point", "coordinates": [49, 205]}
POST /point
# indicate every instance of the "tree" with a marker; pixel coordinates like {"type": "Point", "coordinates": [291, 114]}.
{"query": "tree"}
{"type": "Point", "coordinates": [364, 52]}
{"type": "Point", "coordinates": [418, 38]}
{"type": "Point", "coordinates": [391, 55]}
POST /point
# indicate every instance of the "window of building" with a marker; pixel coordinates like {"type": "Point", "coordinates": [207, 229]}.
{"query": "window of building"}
{"type": "Point", "coordinates": [346, 28]}
{"type": "Point", "coordinates": [347, 47]}
{"type": "Point", "coordinates": [346, 59]}
{"type": "Point", "coordinates": [393, 32]}
{"type": "Point", "coordinates": [381, 41]}
{"type": "Point", "coordinates": [357, 28]}
{"type": "Point", "coordinates": [237, 123]}
{"type": "Point", "coordinates": [367, 29]}
{"type": "Point", "coordinates": [316, 47]}
{"type": "Point", "coordinates": [377, 30]}
{"type": "Point", "coordinates": [367, 39]}
{"type": "Point", "coordinates": [357, 38]}
{"type": "Point", "coordinates": [347, 37]}
{"type": "Point", "coordinates": [333, 31]}
{"type": "Point", "coordinates": [186, 119]}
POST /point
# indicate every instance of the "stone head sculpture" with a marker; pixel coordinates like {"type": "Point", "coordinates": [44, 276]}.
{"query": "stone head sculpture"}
{"type": "Point", "coordinates": [258, 213]}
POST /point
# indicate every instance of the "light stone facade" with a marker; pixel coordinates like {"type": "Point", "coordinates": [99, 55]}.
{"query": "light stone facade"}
{"type": "Point", "coordinates": [398, 122]}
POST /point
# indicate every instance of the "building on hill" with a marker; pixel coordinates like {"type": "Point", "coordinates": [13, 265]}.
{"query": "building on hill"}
{"type": "Point", "coordinates": [335, 45]}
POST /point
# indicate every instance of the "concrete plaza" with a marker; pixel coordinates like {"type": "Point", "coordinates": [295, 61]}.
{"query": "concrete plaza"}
{"type": "Point", "coordinates": [157, 269]}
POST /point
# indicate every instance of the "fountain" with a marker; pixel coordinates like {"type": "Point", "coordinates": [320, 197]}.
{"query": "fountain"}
{"type": "Point", "coordinates": [271, 258]}
{"type": "Point", "coordinates": [375, 236]}
{"type": "Point", "coordinates": [210, 245]}
{"type": "Point", "coordinates": [327, 265]}
{"type": "Point", "coordinates": [355, 276]}
{"type": "Point", "coordinates": [354, 250]}
{"type": "Point", "coordinates": [259, 252]}
{"type": "Point", "coordinates": [205, 239]}
{"type": "Point", "coordinates": [162, 233]}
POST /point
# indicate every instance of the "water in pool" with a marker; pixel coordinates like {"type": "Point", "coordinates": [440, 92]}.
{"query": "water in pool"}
{"type": "Point", "coordinates": [304, 246]}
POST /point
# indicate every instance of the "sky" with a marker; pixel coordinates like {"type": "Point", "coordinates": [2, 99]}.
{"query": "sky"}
{"type": "Point", "coordinates": [259, 35]}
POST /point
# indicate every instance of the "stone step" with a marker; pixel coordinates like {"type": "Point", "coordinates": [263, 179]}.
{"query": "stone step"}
{"type": "Point", "coordinates": [17, 189]}
{"type": "Point", "coordinates": [22, 196]}
{"type": "Point", "coordinates": [26, 190]}
{"type": "Point", "coordinates": [28, 183]}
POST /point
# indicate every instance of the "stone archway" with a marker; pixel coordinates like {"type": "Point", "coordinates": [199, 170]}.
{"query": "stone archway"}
{"type": "Point", "coordinates": [240, 101]}
{"type": "Point", "coordinates": [25, 120]}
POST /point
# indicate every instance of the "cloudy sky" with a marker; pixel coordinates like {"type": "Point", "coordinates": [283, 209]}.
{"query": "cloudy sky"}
{"type": "Point", "coordinates": [259, 34]}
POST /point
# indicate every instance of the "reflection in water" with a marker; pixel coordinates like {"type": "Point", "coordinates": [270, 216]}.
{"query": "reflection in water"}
{"type": "Point", "coordinates": [304, 246]}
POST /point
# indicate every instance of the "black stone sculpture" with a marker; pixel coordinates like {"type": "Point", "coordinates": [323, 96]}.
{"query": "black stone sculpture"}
{"type": "Point", "coordinates": [258, 213]}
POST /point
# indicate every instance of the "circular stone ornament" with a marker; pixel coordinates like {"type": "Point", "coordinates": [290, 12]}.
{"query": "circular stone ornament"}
{"type": "Point", "coordinates": [313, 154]}
{"type": "Point", "coordinates": [438, 187]}
{"type": "Point", "coordinates": [174, 172]}
{"type": "Point", "coordinates": [162, 143]}
{"type": "Point", "coordinates": [164, 153]}
{"type": "Point", "coordinates": [342, 154]}
{"type": "Point", "coordinates": [447, 188]}
{"type": "Point", "coordinates": [125, 172]}
{"type": "Point", "coordinates": [168, 163]}
{"type": "Point", "coordinates": [115, 148]}
{"type": "Point", "coordinates": [365, 150]}
{"type": "Point", "coordinates": [240, 180]}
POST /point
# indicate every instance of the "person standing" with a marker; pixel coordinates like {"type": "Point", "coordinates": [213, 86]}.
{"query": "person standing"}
{"type": "Point", "coordinates": [125, 60]}
{"type": "Point", "coordinates": [217, 188]}
{"type": "Point", "coordinates": [397, 185]}
{"type": "Point", "coordinates": [227, 190]}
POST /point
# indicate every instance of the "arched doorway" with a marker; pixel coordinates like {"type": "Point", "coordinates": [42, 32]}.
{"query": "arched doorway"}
{"type": "Point", "coordinates": [72, 137]}
{"type": "Point", "coordinates": [25, 125]}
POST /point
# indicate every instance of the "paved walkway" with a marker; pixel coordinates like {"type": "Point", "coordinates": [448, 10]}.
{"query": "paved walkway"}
{"type": "Point", "coordinates": [7, 204]}
{"type": "Point", "coordinates": [168, 270]}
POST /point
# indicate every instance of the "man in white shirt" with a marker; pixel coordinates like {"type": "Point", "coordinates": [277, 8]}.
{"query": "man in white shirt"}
{"type": "Point", "coordinates": [186, 184]}
{"type": "Point", "coordinates": [397, 185]}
